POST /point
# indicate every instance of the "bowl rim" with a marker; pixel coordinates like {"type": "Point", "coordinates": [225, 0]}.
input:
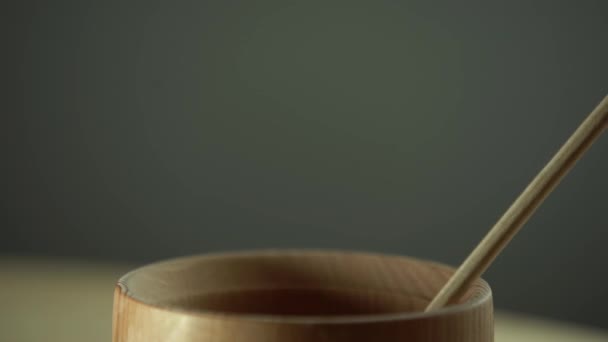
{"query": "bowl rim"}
{"type": "Point", "coordinates": [485, 291]}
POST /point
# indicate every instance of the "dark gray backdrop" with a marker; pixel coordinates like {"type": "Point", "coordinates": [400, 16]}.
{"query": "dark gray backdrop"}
{"type": "Point", "coordinates": [144, 130]}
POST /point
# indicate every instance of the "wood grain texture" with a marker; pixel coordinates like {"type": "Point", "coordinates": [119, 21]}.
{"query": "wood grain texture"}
{"type": "Point", "coordinates": [296, 296]}
{"type": "Point", "coordinates": [524, 206]}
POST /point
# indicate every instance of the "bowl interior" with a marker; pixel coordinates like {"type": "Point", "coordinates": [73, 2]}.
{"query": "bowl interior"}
{"type": "Point", "coordinates": [294, 283]}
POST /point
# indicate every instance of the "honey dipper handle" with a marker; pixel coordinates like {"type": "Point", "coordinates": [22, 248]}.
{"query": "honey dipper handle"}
{"type": "Point", "coordinates": [524, 206]}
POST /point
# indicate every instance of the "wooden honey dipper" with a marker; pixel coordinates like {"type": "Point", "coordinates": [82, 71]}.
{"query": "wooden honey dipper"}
{"type": "Point", "coordinates": [523, 207]}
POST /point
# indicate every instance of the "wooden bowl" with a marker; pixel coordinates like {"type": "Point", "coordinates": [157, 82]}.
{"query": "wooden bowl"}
{"type": "Point", "coordinates": [295, 295]}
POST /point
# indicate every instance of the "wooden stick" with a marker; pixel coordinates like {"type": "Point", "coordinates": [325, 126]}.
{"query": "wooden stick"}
{"type": "Point", "coordinates": [523, 207]}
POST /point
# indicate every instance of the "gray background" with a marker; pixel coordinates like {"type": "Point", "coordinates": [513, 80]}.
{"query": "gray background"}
{"type": "Point", "coordinates": [143, 130]}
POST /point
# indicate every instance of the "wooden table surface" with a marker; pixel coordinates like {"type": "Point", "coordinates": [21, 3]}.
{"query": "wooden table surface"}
{"type": "Point", "coordinates": [69, 301]}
